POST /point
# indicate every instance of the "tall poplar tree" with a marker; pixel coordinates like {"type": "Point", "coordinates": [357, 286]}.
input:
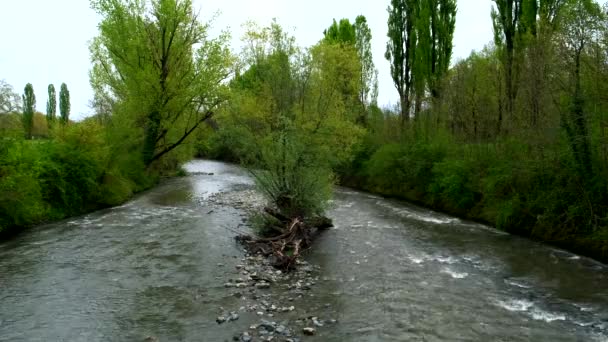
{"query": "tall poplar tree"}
{"type": "Point", "coordinates": [443, 25]}
{"type": "Point", "coordinates": [506, 19]}
{"type": "Point", "coordinates": [342, 32]}
{"type": "Point", "coordinates": [29, 107]}
{"type": "Point", "coordinates": [64, 104]}
{"type": "Point", "coordinates": [400, 50]}
{"type": "Point", "coordinates": [51, 105]}
{"type": "Point", "coordinates": [369, 73]}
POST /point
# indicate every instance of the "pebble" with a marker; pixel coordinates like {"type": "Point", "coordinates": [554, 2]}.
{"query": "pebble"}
{"type": "Point", "coordinates": [262, 285]}
{"type": "Point", "coordinates": [220, 319]}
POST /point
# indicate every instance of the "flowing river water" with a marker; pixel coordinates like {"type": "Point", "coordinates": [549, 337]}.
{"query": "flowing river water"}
{"type": "Point", "coordinates": [388, 271]}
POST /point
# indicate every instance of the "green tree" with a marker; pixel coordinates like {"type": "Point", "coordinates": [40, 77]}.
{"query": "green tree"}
{"type": "Point", "coordinates": [443, 24]}
{"type": "Point", "coordinates": [343, 32]}
{"type": "Point", "coordinates": [506, 18]}
{"type": "Point", "coordinates": [29, 108]}
{"type": "Point", "coordinates": [155, 59]}
{"type": "Point", "coordinates": [10, 102]}
{"type": "Point", "coordinates": [368, 84]}
{"type": "Point", "coordinates": [51, 105]}
{"type": "Point", "coordinates": [64, 104]}
{"type": "Point", "coordinates": [400, 50]}
{"type": "Point", "coordinates": [582, 22]}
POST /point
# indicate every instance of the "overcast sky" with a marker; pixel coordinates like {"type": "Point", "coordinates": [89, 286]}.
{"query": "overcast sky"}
{"type": "Point", "coordinates": [47, 41]}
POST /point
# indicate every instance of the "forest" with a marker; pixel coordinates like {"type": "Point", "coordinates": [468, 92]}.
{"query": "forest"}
{"type": "Point", "coordinates": [515, 135]}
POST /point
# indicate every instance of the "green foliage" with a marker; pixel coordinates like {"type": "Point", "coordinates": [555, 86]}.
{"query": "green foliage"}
{"type": "Point", "coordinates": [64, 104]}
{"type": "Point", "coordinates": [74, 173]}
{"type": "Point", "coordinates": [29, 107]}
{"type": "Point", "coordinates": [166, 80]}
{"type": "Point", "coordinates": [341, 33]}
{"type": "Point", "coordinates": [20, 194]}
{"type": "Point", "coordinates": [292, 176]}
{"type": "Point", "coordinates": [451, 184]}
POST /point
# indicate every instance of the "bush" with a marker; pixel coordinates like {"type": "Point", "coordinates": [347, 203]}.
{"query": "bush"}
{"type": "Point", "coordinates": [452, 185]}
{"type": "Point", "coordinates": [21, 201]}
{"type": "Point", "coordinates": [43, 180]}
{"type": "Point", "coordinates": [292, 177]}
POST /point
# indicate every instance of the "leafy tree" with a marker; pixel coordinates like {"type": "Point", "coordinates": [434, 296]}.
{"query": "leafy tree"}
{"type": "Point", "coordinates": [506, 18]}
{"type": "Point", "coordinates": [155, 60]}
{"type": "Point", "coordinates": [582, 22]}
{"type": "Point", "coordinates": [64, 104]}
{"type": "Point", "coordinates": [343, 32]}
{"type": "Point", "coordinates": [368, 86]}
{"type": "Point", "coordinates": [51, 105]}
{"type": "Point", "coordinates": [443, 24]}
{"type": "Point", "coordinates": [10, 102]}
{"type": "Point", "coordinates": [400, 50]}
{"type": "Point", "coordinates": [29, 108]}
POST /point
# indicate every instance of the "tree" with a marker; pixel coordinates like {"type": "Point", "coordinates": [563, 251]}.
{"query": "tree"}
{"type": "Point", "coordinates": [343, 32]}
{"type": "Point", "coordinates": [506, 18]}
{"type": "Point", "coordinates": [51, 105]}
{"type": "Point", "coordinates": [154, 58]}
{"type": "Point", "coordinates": [29, 108]}
{"type": "Point", "coordinates": [582, 22]}
{"type": "Point", "coordinates": [10, 102]}
{"type": "Point", "coordinates": [443, 24]}
{"type": "Point", "coordinates": [64, 103]}
{"type": "Point", "coordinates": [400, 50]}
{"type": "Point", "coordinates": [368, 86]}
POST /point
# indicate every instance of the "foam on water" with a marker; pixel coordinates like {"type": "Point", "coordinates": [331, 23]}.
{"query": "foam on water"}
{"type": "Point", "coordinates": [454, 274]}
{"type": "Point", "coordinates": [546, 316]}
{"type": "Point", "coordinates": [409, 213]}
{"type": "Point", "coordinates": [517, 284]}
{"type": "Point", "coordinates": [515, 305]}
{"type": "Point", "coordinates": [446, 260]}
{"type": "Point", "coordinates": [522, 305]}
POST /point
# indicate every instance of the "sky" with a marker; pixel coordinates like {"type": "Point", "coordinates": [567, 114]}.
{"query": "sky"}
{"type": "Point", "coordinates": [51, 46]}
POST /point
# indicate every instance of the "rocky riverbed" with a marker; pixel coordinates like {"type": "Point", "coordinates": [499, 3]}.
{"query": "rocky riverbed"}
{"type": "Point", "coordinates": [266, 293]}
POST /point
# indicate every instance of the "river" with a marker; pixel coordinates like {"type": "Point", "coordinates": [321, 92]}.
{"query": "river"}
{"type": "Point", "coordinates": [389, 271]}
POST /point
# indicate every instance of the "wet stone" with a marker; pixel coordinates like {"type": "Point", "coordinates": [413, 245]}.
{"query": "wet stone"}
{"type": "Point", "coordinates": [309, 331]}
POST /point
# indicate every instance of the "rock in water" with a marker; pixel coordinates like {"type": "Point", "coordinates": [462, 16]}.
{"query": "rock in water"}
{"type": "Point", "coordinates": [220, 320]}
{"type": "Point", "coordinates": [309, 331]}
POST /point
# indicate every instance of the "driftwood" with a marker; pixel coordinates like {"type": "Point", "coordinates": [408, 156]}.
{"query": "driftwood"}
{"type": "Point", "coordinates": [294, 236]}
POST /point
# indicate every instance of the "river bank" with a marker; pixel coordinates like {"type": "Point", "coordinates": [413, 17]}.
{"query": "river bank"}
{"type": "Point", "coordinates": [593, 247]}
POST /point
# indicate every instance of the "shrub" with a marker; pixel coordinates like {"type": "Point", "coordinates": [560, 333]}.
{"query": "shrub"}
{"type": "Point", "coordinates": [292, 177]}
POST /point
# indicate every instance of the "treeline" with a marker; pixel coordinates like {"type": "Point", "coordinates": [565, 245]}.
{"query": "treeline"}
{"type": "Point", "coordinates": [156, 77]}
{"type": "Point", "coordinates": [515, 135]}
